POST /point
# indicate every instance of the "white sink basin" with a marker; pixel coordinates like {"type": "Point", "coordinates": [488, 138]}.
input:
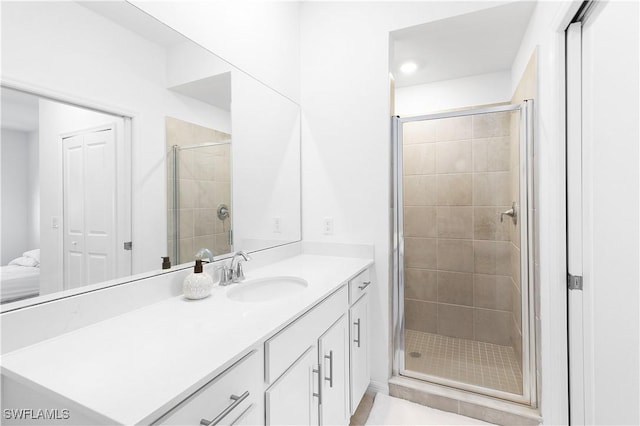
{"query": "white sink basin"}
{"type": "Point", "coordinates": [267, 289]}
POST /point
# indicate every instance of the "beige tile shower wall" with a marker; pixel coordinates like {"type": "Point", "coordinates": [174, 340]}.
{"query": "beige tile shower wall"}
{"type": "Point", "coordinates": [457, 253]}
{"type": "Point", "coordinates": [204, 184]}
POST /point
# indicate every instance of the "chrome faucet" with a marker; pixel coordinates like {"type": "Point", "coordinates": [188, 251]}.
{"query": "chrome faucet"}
{"type": "Point", "coordinates": [204, 254]}
{"type": "Point", "coordinates": [237, 274]}
{"type": "Point", "coordinates": [233, 273]}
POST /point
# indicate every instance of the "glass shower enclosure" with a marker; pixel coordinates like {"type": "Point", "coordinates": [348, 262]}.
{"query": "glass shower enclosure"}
{"type": "Point", "coordinates": [199, 200]}
{"type": "Point", "coordinates": [463, 296]}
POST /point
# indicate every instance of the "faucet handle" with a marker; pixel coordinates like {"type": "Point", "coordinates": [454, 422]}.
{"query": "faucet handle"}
{"type": "Point", "coordinates": [238, 273]}
{"type": "Point", "coordinates": [226, 275]}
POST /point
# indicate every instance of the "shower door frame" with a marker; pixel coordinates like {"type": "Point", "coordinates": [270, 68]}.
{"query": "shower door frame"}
{"type": "Point", "coordinates": [529, 376]}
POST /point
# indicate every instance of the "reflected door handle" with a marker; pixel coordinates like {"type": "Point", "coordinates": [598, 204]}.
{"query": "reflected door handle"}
{"type": "Point", "coordinates": [512, 212]}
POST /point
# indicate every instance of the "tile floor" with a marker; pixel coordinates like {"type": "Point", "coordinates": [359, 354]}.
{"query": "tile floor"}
{"type": "Point", "coordinates": [387, 410]}
{"type": "Point", "coordinates": [468, 361]}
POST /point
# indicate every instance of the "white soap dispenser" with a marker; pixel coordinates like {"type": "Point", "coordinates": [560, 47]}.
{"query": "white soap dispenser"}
{"type": "Point", "coordinates": [198, 284]}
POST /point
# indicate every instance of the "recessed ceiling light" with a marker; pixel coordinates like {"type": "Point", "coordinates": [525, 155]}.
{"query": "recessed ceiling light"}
{"type": "Point", "coordinates": [408, 67]}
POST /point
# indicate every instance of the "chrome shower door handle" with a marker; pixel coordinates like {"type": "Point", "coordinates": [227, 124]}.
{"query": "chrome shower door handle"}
{"type": "Point", "coordinates": [512, 212]}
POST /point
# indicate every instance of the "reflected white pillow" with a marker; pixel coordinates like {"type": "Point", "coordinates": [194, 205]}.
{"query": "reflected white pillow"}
{"type": "Point", "coordinates": [33, 254]}
{"type": "Point", "coordinates": [24, 261]}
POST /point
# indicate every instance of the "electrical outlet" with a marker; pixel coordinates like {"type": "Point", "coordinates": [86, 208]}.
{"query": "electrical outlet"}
{"type": "Point", "coordinates": [276, 225]}
{"type": "Point", "coordinates": [327, 225]}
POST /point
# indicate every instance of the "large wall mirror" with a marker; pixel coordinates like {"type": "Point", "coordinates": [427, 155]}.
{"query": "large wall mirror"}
{"type": "Point", "coordinates": [123, 142]}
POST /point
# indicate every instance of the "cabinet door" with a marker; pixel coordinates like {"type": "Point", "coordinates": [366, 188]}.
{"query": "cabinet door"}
{"type": "Point", "coordinates": [333, 353]}
{"type": "Point", "coordinates": [292, 399]}
{"type": "Point", "coordinates": [359, 343]}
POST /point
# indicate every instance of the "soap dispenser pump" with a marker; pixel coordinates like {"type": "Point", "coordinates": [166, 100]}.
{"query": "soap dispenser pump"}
{"type": "Point", "coordinates": [198, 284]}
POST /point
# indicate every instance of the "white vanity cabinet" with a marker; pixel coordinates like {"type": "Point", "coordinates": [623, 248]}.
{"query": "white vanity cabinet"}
{"type": "Point", "coordinates": [232, 398]}
{"type": "Point", "coordinates": [293, 398]}
{"type": "Point", "coordinates": [314, 387]}
{"type": "Point", "coordinates": [333, 354]}
{"type": "Point", "coordinates": [303, 362]}
{"type": "Point", "coordinates": [359, 338]}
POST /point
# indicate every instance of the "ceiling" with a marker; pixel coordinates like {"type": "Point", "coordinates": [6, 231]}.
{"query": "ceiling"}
{"type": "Point", "coordinates": [476, 43]}
{"type": "Point", "coordinates": [214, 90]}
{"type": "Point", "coordinates": [135, 20]}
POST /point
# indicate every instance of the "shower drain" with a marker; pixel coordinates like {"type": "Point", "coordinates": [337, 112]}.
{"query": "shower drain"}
{"type": "Point", "coordinates": [415, 354]}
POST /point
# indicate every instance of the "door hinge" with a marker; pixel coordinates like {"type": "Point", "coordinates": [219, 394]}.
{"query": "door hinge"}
{"type": "Point", "coordinates": [574, 282]}
{"type": "Point", "coordinates": [128, 245]}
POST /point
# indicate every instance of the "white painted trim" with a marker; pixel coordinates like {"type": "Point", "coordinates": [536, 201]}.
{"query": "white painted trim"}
{"type": "Point", "coordinates": [378, 387]}
{"type": "Point", "coordinates": [574, 221]}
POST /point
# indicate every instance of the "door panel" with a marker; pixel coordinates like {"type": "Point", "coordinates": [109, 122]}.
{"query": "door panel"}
{"type": "Point", "coordinates": [290, 400]}
{"type": "Point", "coordinates": [609, 190]}
{"type": "Point", "coordinates": [333, 352]}
{"type": "Point", "coordinates": [89, 204]}
{"type": "Point", "coordinates": [359, 354]}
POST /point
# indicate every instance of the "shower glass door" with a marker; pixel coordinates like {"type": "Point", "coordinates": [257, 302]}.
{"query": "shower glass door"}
{"type": "Point", "coordinates": [463, 299]}
{"type": "Point", "coordinates": [199, 208]}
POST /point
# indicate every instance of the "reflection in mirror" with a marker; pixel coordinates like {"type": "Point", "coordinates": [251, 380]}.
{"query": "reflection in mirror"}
{"type": "Point", "coordinates": [199, 185]}
{"type": "Point", "coordinates": [137, 89]}
{"type": "Point", "coordinates": [62, 192]}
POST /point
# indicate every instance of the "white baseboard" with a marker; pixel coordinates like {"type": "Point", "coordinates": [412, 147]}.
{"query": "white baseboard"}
{"type": "Point", "coordinates": [375, 387]}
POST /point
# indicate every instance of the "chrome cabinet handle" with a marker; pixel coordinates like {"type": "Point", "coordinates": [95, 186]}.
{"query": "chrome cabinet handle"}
{"type": "Point", "coordinates": [237, 400]}
{"type": "Point", "coordinates": [319, 394]}
{"type": "Point", "coordinates": [357, 340]}
{"type": "Point", "coordinates": [364, 285]}
{"type": "Point", "coordinates": [330, 378]}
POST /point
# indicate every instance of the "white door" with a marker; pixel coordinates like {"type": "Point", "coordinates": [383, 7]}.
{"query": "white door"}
{"type": "Point", "coordinates": [333, 352]}
{"type": "Point", "coordinates": [603, 137]}
{"type": "Point", "coordinates": [359, 353]}
{"type": "Point", "coordinates": [89, 192]}
{"type": "Point", "coordinates": [293, 399]}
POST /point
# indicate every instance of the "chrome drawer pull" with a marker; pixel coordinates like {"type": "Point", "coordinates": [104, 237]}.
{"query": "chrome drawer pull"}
{"type": "Point", "coordinates": [319, 394]}
{"type": "Point", "coordinates": [330, 378]}
{"type": "Point", "coordinates": [364, 285]}
{"type": "Point", "coordinates": [357, 340]}
{"type": "Point", "coordinates": [237, 400]}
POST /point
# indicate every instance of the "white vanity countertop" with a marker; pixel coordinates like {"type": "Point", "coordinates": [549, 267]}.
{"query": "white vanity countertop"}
{"type": "Point", "coordinates": [134, 367]}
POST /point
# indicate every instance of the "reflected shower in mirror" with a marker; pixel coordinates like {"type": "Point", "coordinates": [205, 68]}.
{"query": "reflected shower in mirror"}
{"type": "Point", "coordinates": [199, 190]}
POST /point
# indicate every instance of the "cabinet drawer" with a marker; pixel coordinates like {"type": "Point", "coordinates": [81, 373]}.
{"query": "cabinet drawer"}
{"type": "Point", "coordinates": [359, 286]}
{"type": "Point", "coordinates": [215, 401]}
{"type": "Point", "coordinates": [285, 347]}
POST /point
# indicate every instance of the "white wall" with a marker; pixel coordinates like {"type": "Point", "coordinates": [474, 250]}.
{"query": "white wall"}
{"type": "Point", "coordinates": [261, 38]}
{"type": "Point", "coordinates": [546, 34]}
{"type": "Point", "coordinates": [266, 165]}
{"type": "Point", "coordinates": [476, 90]}
{"type": "Point", "coordinates": [122, 73]}
{"type": "Point", "coordinates": [346, 147]}
{"type": "Point", "coordinates": [15, 183]}
{"type": "Point", "coordinates": [33, 191]}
